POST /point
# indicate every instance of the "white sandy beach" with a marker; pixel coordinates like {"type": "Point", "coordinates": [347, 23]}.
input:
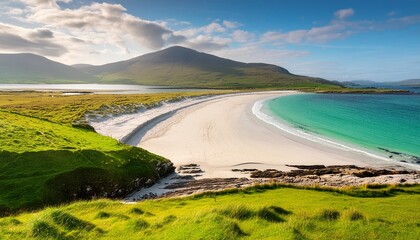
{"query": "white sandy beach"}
{"type": "Point", "coordinates": [223, 133]}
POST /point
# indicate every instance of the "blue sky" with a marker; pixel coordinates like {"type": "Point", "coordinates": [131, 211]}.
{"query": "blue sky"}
{"type": "Point", "coordinates": [337, 40]}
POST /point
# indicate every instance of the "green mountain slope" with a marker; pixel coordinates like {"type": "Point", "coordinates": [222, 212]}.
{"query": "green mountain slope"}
{"type": "Point", "coordinates": [179, 66]}
{"type": "Point", "coordinates": [30, 68]}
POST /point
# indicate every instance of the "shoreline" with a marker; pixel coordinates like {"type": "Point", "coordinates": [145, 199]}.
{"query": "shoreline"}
{"type": "Point", "coordinates": [222, 133]}
{"type": "Point", "coordinates": [264, 115]}
{"type": "Point", "coordinates": [182, 138]}
{"type": "Point", "coordinates": [147, 128]}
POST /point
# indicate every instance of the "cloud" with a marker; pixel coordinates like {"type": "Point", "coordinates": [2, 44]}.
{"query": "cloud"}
{"type": "Point", "coordinates": [242, 36]}
{"type": "Point", "coordinates": [214, 27]}
{"type": "Point", "coordinates": [101, 24]}
{"type": "Point", "coordinates": [16, 39]}
{"type": "Point", "coordinates": [42, 33]}
{"type": "Point", "coordinates": [313, 35]}
{"type": "Point", "coordinates": [231, 24]}
{"type": "Point", "coordinates": [252, 53]}
{"type": "Point", "coordinates": [344, 13]}
{"type": "Point", "coordinates": [407, 20]}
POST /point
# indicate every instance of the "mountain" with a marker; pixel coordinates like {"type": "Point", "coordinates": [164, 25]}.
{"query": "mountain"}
{"type": "Point", "coordinates": [362, 82]}
{"type": "Point", "coordinates": [179, 66]}
{"type": "Point", "coordinates": [31, 68]}
{"type": "Point", "coordinates": [409, 82]}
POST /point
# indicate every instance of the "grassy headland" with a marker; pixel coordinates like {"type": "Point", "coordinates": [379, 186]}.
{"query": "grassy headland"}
{"type": "Point", "coordinates": [45, 159]}
{"type": "Point", "coordinates": [253, 213]}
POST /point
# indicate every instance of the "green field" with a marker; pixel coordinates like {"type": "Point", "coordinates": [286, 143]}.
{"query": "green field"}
{"type": "Point", "coordinates": [256, 213]}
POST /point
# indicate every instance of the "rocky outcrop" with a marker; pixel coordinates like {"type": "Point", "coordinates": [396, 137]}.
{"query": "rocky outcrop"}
{"type": "Point", "coordinates": [319, 170]}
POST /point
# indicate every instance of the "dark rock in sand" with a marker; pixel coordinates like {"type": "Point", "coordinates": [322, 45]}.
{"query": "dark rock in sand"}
{"type": "Point", "coordinates": [245, 170]}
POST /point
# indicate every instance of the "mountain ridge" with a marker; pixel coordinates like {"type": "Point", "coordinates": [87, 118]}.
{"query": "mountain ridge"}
{"type": "Point", "coordinates": [32, 68]}
{"type": "Point", "coordinates": [180, 66]}
{"type": "Point", "coordinates": [174, 66]}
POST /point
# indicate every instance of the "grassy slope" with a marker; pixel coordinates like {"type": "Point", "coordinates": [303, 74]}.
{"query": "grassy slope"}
{"type": "Point", "coordinates": [44, 160]}
{"type": "Point", "coordinates": [284, 213]}
{"type": "Point", "coordinates": [185, 75]}
{"type": "Point", "coordinates": [46, 163]}
{"type": "Point", "coordinates": [67, 109]}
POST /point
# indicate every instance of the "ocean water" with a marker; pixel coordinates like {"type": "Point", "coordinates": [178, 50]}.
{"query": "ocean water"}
{"type": "Point", "coordinates": [386, 125]}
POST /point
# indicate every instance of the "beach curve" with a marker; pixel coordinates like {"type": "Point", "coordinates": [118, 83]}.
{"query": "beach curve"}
{"type": "Point", "coordinates": [222, 133]}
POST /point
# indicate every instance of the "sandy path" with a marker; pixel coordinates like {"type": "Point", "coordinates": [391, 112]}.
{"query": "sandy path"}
{"type": "Point", "coordinates": [222, 134]}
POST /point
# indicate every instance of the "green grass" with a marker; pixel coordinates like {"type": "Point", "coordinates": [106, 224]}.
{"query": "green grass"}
{"type": "Point", "coordinates": [254, 213]}
{"type": "Point", "coordinates": [27, 134]}
{"type": "Point", "coordinates": [68, 109]}
{"type": "Point", "coordinates": [45, 160]}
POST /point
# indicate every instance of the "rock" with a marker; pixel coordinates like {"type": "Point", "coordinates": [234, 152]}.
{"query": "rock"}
{"type": "Point", "coordinates": [245, 170]}
{"type": "Point", "coordinates": [306, 166]}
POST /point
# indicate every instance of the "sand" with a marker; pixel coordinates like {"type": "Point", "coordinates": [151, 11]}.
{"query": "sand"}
{"type": "Point", "coordinates": [221, 134]}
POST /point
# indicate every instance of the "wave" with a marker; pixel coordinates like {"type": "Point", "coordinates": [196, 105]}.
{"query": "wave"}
{"type": "Point", "coordinates": [257, 110]}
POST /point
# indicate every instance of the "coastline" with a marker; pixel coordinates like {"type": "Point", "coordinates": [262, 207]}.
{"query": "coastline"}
{"type": "Point", "coordinates": [222, 133]}
{"type": "Point", "coordinates": [178, 132]}
{"type": "Point", "coordinates": [259, 109]}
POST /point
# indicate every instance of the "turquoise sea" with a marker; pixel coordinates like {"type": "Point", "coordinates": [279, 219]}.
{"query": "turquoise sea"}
{"type": "Point", "coordinates": [388, 125]}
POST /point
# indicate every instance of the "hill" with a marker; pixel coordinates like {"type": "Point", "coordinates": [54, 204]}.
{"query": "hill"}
{"type": "Point", "coordinates": [46, 158]}
{"type": "Point", "coordinates": [179, 66]}
{"type": "Point", "coordinates": [31, 68]}
{"type": "Point", "coordinates": [409, 82]}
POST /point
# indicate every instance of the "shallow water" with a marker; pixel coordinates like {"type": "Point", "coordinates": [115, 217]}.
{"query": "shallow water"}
{"type": "Point", "coordinates": [386, 124]}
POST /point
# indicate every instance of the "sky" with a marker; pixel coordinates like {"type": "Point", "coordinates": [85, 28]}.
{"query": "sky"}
{"type": "Point", "coordinates": [340, 40]}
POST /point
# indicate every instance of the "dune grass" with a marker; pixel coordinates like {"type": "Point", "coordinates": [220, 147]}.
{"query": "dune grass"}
{"type": "Point", "coordinates": [255, 213]}
{"type": "Point", "coordinates": [55, 107]}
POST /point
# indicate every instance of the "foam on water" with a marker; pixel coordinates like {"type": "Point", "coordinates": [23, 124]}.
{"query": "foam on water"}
{"type": "Point", "coordinates": [257, 110]}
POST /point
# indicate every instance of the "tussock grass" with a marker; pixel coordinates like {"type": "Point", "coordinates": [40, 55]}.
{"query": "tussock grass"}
{"type": "Point", "coordinates": [239, 212]}
{"type": "Point", "coordinates": [137, 225]}
{"type": "Point", "coordinates": [269, 215]}
{"type": "Point", "coordinates": [102, 215]}
{"type": "Point", "coordinates": [70, 222]}
{"type": "Point", "coordinates": [329, 215]}
{"type": "Point", "coordinates": [42, 229]}
{"type": "Point", "coordinates": [137, 211]}
{"type": "Point", "coordinates": [280, 213]}
{"type": "Point", "coordinates": [354, 215]}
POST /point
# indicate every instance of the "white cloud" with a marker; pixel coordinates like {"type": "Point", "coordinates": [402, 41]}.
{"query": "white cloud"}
{"type": "Point", "coordinates": [214, 27]}
{"type": "Point", "coordinates": [242, 36]}
{"type": "Point", "coordinates": [231, 24]}
{"type": "Point", "coordinates": [104, 25]}
{"type": "Point", "coordinates": [313, 35]}
{"type": "Point", "coordinates": [40, 41]}
{"type": "Point", "coordinates": [252, 53]}
{"type": "Point", "coordinates": [344, 13]}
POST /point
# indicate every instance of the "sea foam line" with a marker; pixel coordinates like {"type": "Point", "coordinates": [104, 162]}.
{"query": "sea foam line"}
{"type": "Point", "coordinates": [257, 111]}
